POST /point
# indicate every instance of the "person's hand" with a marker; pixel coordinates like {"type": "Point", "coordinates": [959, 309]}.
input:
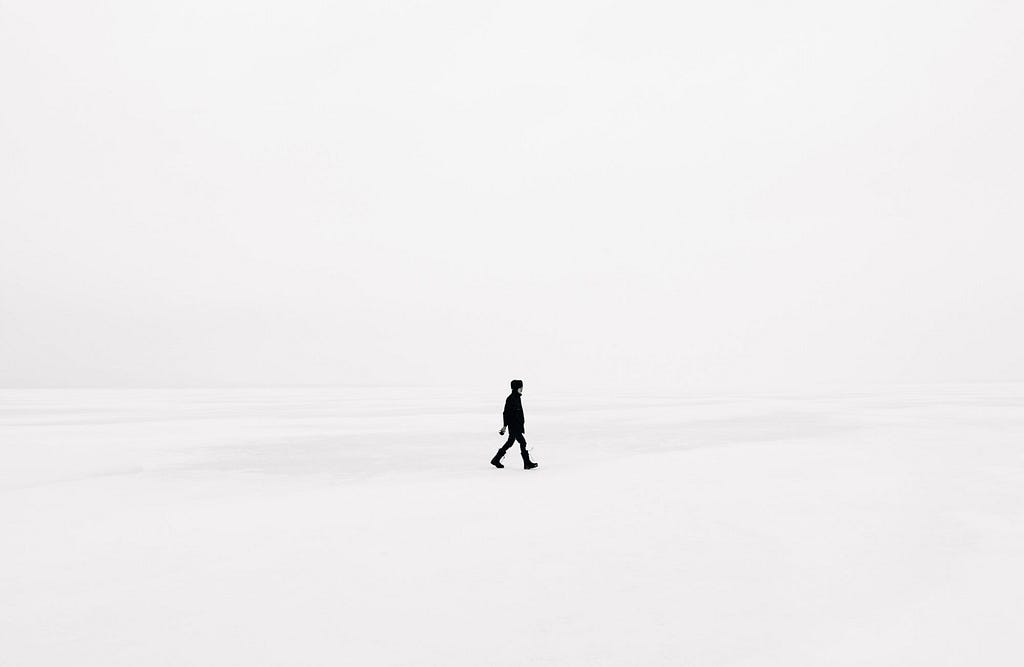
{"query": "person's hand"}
{"type": "Point", "coordinates": [502, 431]}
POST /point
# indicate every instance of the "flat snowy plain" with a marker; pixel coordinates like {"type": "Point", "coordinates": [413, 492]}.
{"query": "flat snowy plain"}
{"type": "Point", "coordinates": [365, 527]}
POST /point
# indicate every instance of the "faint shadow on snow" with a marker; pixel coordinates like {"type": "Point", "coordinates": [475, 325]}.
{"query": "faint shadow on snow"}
{"type": "Point", "coordinates": [345, 456]}
{"type": "Point", "coordinates": [75, 436]}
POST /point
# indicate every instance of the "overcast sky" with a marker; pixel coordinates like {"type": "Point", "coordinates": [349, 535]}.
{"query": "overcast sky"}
{"type": "Point", "coordinates": [638, 194]}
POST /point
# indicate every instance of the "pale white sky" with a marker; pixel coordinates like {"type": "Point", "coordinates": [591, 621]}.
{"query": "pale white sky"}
{"type": "Point", "coordinates": [644, 194]}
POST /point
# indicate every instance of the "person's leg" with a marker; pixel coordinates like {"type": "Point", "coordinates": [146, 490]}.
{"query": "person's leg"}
{"type": "Point", "coordinates": [527, 463]}
{"type": "Point", "coordinates": [508, 444]}
{"type": "Point", "coordinates": [522, 447]}
{"type": "Point", "coordinates": [496, 461]}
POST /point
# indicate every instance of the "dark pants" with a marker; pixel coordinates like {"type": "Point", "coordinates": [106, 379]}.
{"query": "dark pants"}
{"type": "Point", "coordinates": [512, 437]}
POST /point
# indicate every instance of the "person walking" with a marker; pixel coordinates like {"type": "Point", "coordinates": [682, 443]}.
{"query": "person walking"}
{"type": "Point", "coordinates": [515, 422]}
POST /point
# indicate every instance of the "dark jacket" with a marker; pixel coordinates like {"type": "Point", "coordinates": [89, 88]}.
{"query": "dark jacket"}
{"type": "Point", "coordinates": [513, 413]}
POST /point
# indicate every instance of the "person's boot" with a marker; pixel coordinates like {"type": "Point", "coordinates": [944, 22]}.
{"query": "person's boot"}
{"type": "Point", "coordinates": [496, 461]}
{"type": "Point", "coordinates": [527, 463]}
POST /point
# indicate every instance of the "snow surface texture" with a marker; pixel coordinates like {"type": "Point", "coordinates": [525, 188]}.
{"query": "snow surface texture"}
{"type": "Point", "coordinates": [365, 527]}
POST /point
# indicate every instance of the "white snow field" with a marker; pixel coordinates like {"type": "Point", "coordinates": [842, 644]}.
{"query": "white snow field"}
{"type": "Point", "coordinates": [365, 527]}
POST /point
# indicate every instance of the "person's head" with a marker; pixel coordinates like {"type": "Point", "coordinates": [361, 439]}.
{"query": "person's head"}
{"type": "Point", "coordinates": [517, 386]}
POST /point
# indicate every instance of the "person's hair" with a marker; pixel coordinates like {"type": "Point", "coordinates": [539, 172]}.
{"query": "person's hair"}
{"type": "Point", "coordinates": [516, 384]}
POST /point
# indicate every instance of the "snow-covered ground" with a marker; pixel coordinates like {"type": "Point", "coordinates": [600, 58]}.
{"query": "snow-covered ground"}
{"type": "Point", "coordinates": [365, 527]}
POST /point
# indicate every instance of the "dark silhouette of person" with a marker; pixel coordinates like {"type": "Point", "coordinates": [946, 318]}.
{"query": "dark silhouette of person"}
{"type": "Point", "coordinates": [513, 419]}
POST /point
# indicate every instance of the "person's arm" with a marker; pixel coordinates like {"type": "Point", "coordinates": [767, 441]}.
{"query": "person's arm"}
{"type": "Point", "coordinates": [504, 419]}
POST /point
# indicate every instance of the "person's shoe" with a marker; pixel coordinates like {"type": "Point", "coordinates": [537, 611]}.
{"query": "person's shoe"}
{"type": "Point", "coordinates": [496, 461]}
{"type": "Point", "coordinates": [530, 465]}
